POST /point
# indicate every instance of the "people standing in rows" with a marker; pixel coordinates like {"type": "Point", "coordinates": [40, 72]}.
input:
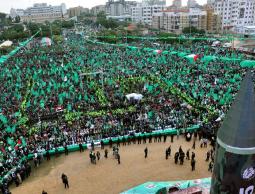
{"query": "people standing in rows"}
{"type": "Point", "coordinates": [65, 180]}
{"type": "Point", "coordinates": [124, 141]}
{"type": "Point", "coordinates": [172, 138]}
{"type": "Point", "coordinates": [193, 155]}
{"type": "Point", "coordinates": [118, 142]}
{"type": "Point", "coordinates": [194, 144]}
{"type": "Point", "coordinates": [165, 137]}
{"type": "Point", "coordinates": [47, 155]}
{"type": "Point", "coordinates": [81, 147]}
{"type": "Point", "coordinates": [210, 166]}
{"type": "Point", "coordinates": [139, 139]}
{"type": "Point", "coordinates": [144, 139]}
{"type": "Point", "coordinates": [181, 157]}
{"type": "Point", "coordinates": [118, 158]}
{"type": "Point", "coordinates": [66, 149]}
{"type": "Point", "coordinates": [150, 138]}
{"type": "Point", "coordinates": [180, 149]}
{"type": "Point", "coordinates": [208, 154]}
{"type": "Point", "coordinates": [102, 144]}
{"type": "Point", "coordinates": [167, 154]}
{"type": "Point", "coordinates": [106, 153]}
{"type": "Point", "coordinates": [98, 155]}
{"type": "Point", "coordinates": [92, 146]}
{"type": "Point", "coordinates": [176, 157]}
{"type": "Point", "coordinates": [187, 154]}
{"type": "Point", "coordinates": [145, 152]}
{"type": "Point", "coordinates": [110, 142]}
{"type": "Point", "coordinates": [193, 164]}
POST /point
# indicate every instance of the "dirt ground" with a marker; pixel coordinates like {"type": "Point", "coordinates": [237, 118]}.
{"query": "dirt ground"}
{"type": "Point", "coordinates": [107, 176]}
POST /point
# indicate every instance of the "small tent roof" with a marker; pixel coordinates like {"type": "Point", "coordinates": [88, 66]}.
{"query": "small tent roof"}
{"type": "Point", "coordinates": [6, 43]}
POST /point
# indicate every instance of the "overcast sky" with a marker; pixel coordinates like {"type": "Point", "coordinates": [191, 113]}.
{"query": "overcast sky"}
{"type": "Point", "coordinates": [6, 5]}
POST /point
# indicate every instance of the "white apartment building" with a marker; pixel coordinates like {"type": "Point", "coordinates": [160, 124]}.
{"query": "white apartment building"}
{"type": "Point", "coordinates": [16, 12]}
{"type": "Point", "coordinates": [97, 9]}
{"type": "Point", "coordinates": [119, 7]}
{"type": "Point", "coordinates": [41, 12]}
{"type": "Point", "coordinates": [235, 13]}
{"type": "Point", "coordinates": [142, 13]}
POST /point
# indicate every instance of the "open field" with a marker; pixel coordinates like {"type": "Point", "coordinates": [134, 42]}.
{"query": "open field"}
{"type": "Point", "coordinates": [109, 177]}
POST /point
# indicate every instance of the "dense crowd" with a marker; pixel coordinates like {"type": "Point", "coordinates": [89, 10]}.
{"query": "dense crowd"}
{"type": "Point", "coordinates": [76, 92]}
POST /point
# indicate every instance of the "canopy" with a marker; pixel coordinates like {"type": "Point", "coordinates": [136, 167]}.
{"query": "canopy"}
{"type": "Point", "coordinates": [134, 96]}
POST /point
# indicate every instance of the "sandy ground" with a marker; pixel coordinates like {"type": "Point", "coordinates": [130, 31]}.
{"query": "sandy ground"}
{"type": "Point", "coordinates": [109, 177]}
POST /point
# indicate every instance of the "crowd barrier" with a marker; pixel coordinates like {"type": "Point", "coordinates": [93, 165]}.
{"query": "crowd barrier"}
{"type": "Point", "coordinates": [75, 147]}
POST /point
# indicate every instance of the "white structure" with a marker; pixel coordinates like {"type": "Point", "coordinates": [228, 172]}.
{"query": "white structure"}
{"type": "Point", "coordinates": [235, 13]}
{"type": "Point", "coordinates": [247, 30]}
{"type": "Point", "coordinates": [121, 18]}
{"type": "Point", "coordinates": [7, 43]}
{"type": "Point", "coordinates": [177, 4]}
{"type": "Point", "coordinates": [16, 12]}
{"type": "Point", "coordinates": [192, 4]}
{"type": "Point", "coordinates": [142, 13]}
{"type": "Point", "coordinates": [41, 12]}
{"type": "Point", "coordinates": [134, 96]}
{"type": "Point", "coordinates": [119, 8]}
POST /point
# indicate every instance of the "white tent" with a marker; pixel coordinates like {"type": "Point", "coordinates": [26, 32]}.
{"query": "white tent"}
{"type": "Point", "coordinates": [134, 96]}
{"type": "Point", "coordinates": [6, 43]}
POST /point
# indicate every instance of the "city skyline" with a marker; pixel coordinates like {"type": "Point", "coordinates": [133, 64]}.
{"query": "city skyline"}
{"type": "Point", "coordinates": [5, 6]}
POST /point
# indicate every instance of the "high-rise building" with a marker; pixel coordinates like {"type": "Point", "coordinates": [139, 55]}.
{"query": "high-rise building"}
{"type": "Point", "coordinates": [213, 20]}
{"type": "Point", "coordinates": [119, 7]}
{"type": "Point", "coordinates": [177, 4]}
{"type": "Point", "coordinates": [41, 12]}
{"type": "Point", "coordinates": [97, 9]}
{"type": "Point", "coordinates": [192, 4]}
{"type": "Point", "coordinates": [235, 13]}
{"type": "Point", "coordinates": [210, 2]}
{"type": "Point", "coordinates": [175, 21]}
{"type": "Point", "coordinates": [16, 12]}
{"type": "Point", "coordinates": [154, 2]}
{"type": "Point", "coordinates": [76, 11]}
{"type": "Point", "coordinates": [143, 12]}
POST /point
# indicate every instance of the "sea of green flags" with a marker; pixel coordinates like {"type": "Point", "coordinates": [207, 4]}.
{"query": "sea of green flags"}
{"type": "Point", "coordinates": [60, 76]}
